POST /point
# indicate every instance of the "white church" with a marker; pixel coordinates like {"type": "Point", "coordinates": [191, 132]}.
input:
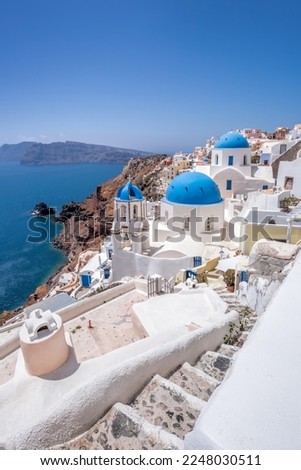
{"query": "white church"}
{"type": "Point", "coordinates": [186, 233]}
{"type": "Point", "coordinates": [231, 167]}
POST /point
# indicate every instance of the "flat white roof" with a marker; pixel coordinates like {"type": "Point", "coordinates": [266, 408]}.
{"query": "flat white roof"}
{"type": "Point", "coordinates": [201, 306]}
{"type": "Point", "coordinates": [94, 263]}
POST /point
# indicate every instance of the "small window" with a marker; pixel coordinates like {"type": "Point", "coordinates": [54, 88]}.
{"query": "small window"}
{"type": "Point", "coordinates": [216, 159]}
{"type": "Point", "coordinates": [197, 261]}
{"type": "Point", "coordinates": [123, 213]}
{"type": "Point", "coordinates": [282, 148]}
{"type": "Point", "coordinates": [135, 211]}
{"type": "Point", "coordinates": [208, 226]}
{"type": "Point", "coordinates": [265, 186]}
{"type": "Point", "coordinates": [230, 160]}
{"type": "Point", "coordinates": [245, 160]}
{"type": "Point", "coordinates": [229, 185]}
{"type": "Point", "coordinates": [288, 182]}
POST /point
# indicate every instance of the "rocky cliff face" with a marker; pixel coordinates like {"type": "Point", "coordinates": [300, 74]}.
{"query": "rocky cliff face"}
{"type": "Point", "coordinates": [14, 152]}
{"type": "Point", "coordinates": [77, 152]}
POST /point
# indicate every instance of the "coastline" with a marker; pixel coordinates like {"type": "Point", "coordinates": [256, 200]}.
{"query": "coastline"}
{"type": "Point", "coordinates": [25, 266]}
{"type": "Point", "coordinates": [92, 219]}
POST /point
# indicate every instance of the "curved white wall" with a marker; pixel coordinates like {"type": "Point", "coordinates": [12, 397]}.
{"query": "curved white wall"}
{"type": "Point", "coordinates": [48, 415]}
{"type": "Point", "coordinates": [202, 212]}
{"type": "Point", "coordinates": [127, 263]}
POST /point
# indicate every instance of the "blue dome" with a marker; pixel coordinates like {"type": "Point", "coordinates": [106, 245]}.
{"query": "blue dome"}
{"type": "Point", "coordinates": [193, 188]}
{"type": "Point", "coordinates": [129, 192]}
{"type": "Point", "coordinates": [232, 140]}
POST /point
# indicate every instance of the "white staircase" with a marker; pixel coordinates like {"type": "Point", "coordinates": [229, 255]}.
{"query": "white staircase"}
{"type": "Point", "coordinates": [167, 408]}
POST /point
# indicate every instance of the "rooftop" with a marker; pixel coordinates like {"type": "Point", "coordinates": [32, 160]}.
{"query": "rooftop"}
{"type": "Point", "coordinates": [129, 192]}
{"type": "Point", "coordinates": [193, 188]}
{"type": "Point", "coordinates": [231, 140]}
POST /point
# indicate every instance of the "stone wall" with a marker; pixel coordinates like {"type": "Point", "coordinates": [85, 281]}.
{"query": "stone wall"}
{"type": "Point", "coordinates": [269, 263]}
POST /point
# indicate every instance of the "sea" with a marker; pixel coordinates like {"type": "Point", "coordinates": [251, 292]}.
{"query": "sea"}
{"type": "Point", "coordinates": [25, 264]}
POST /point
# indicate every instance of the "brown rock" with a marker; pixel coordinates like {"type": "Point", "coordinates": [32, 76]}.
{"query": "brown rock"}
{"type": "Point", "coordinates": [39, 293]}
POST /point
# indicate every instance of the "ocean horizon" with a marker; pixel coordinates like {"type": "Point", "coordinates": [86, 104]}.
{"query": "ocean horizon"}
{"type": "Point", "coordinates": [24, 265]}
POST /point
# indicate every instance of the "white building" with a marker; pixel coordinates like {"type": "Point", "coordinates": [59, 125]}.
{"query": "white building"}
{"type": "Point", "coordinates": [254, 134]}
{"type": "Point", "coordinates": [271, 150]}
{"type": "Point", "coordinates": [194, 198]}
{"type": "Point", "coordinates": [191, 215]}
{"type": "Point", "coordinates": [289, 175]}
{"type": "Point", "coordinates": [296, 132]}
{"type": "Point", "coordinates": [95, 270]}
{"type": "Point", "coordinates": [231, 167]}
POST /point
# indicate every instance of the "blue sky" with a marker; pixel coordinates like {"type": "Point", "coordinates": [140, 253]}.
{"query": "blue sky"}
{"type": "Point", "coordinates": [158, 75]}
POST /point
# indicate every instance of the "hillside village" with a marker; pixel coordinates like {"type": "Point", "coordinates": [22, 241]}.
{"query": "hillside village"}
{"type": "Point", "coordinates": [171, 306]}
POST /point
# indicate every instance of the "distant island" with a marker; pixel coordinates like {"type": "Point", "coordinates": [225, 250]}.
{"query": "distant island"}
{"type": "Point", "coordinates": [59, 153]}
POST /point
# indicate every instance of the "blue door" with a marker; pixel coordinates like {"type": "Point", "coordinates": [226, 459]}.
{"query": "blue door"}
{"type": "Point", "coordinates": [243, 276]}
{"type": "Point", "coordinates": [85, 280]}
{"type": "Point", "coordinates": [106, 273]}
{"type": "Point", "coordinates": [190, 273]}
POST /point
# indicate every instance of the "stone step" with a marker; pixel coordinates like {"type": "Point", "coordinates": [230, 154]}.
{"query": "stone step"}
{"type": "Point", "coordinates": [235, 305]}
{"type": "Point", "coordinates": [241, 339]}
{"type": "Point", "coordinates": [122, 428]}
{"type": "Point", "coordinates": [248, 324]}
{"type": "Point", "coordinates": [227, 350]}
{"type": "Point", "coordinates": [228, 297]}
{"type": "Point", "coordinates": [194, 381]}
{"type": "Point", "coordinates": [214, 364]}
{"type": "Point", "coordinates": [165, 404]}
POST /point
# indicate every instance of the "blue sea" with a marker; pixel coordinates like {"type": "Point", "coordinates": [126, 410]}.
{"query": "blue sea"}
{"type": "Point", "coordinates": [24, 265]}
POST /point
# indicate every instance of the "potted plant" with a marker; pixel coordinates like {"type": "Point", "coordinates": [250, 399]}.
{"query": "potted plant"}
{"type": "Point", "coordinates": [229, 279]}
{"type": "Point", "coordinates": [202, 278]}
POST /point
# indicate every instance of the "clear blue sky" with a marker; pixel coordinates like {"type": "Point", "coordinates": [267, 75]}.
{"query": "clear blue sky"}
{"type": "Point", "coordinates": [159, 75]}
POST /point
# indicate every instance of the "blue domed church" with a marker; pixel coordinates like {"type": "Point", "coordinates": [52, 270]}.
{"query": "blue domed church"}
{"type": "Point", "coordinates": [191, 216]}
{"type": "Point", "coordinates": [195, 199]}
{"type": "Point", "coordinates": [231, 167]}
